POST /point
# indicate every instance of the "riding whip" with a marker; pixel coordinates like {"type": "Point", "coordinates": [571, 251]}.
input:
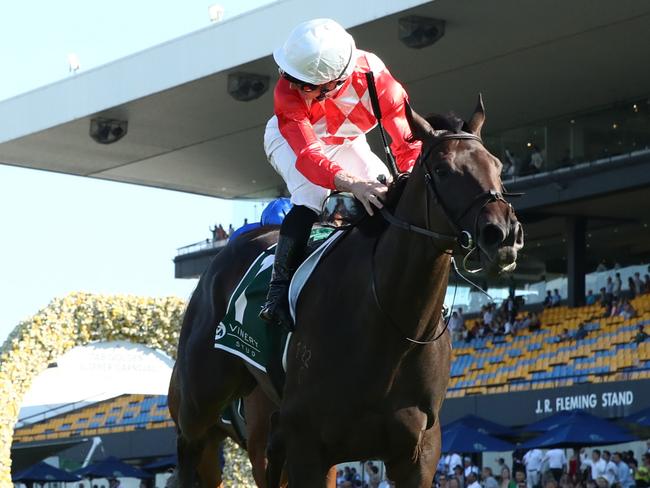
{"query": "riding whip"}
{"type": "Point", "coordinates": [374, 100]}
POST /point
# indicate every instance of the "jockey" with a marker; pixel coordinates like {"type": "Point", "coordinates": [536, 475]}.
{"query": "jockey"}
{"type": "Point", "coordinates": [316, 139]}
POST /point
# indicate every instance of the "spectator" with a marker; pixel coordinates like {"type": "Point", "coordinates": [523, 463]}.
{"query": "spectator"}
{"type": "Point", "coordinates": [557, 462]}
{"type": "Point", "coordinates": [533, 463]}
{"type": "Point", "coordinates": [631, 284]}
{"type": "Point", "coordinates": [488, 479]}
{"type": "Point", "coordinates": [520, 479]}
{"type": "Point", "coordinates": [638, 283]}
{"type": "Point", "coordinates": [548, 300]}
{"type": "Point", "coordinates": [536, 160]}
{"type": "Point", "coordinates": [502, 464]}
{"type": "Point", "coordinates": [451, 461]}
{"type": "Point", "coordinates": [373, 475]}
{"type": "Point", "coordinates": [609, 288]}
{"type": "Point", "coordinates": [591, 298]}
{"type": "Point", "coordinates": [535, 323]}
{"type": "Point", "coordinates": [459, 476]}
{"type": "Point", "coordinates": [506, 480]}
{"type": "Point", "coordinates": [641, 335]}
{"type": "Point", "coordinates": [550, 483]}
{"type": "Point", "coordinates": [623, 473]}
{"type": "Point", "coordinates": [596, 464]}
{"type": "Point", "coordinates": [611, 469]}
{"type": "Point", "coordinates": [456, 326]}
{"type": "Point", "coordinates": [602, 266]}
{"type": "Point", "coordinates": [442, 481]}
{"type": "Point", "coordinates": [618, 285]}
{"type": "Point", "coordinates": [581, 333]}
{"type": "Point", "coordinates": [472, 480]}
{"type": "Point", "coordinates": [488, 315]}
{"type": "Point", "coordinates": [509, 163]}
{"type": "Point", "coordinates": [231, 229]}
{"type": "Point", "coordinates": [646, 283]}
{"type": "Point", "coordinates": [452, 483]}
{"type": "Point", "coordinates": [556, 299]}
{"type": "Point", "coordinates": [470, 467]}
{"type": "Point", "coordinates": [627, 310]}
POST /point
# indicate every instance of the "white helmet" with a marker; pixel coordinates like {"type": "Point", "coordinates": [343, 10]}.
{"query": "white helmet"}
{"type": "Point", "coordinates": [317, 51]}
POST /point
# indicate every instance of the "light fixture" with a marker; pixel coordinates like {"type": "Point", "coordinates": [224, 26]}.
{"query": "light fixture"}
{"type": "Point", "coordinates": [107, 131]}
{"type": "Point", "coordinates": [614, 125]}
{"type": "Point", "coordinates": [73, 63]}
{"type": "Point", "coordinates": [529, 144]}
{"type": "Point", "coordinates": [635, 107]}
{"type": "Point", "coordinates": [245, 87]}
{"type": "Point", "coordinates": [216, 12]}
{"type": "Point", "coordinates": [417, 32]}
{"type": "Point", "coordinates": [572, 121]}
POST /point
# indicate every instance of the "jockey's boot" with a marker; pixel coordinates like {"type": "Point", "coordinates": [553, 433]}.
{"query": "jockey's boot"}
{"type": "Point", "coordinates": [289, 254]}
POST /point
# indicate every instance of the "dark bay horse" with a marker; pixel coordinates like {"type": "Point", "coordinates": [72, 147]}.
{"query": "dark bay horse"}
{"type": "Point", "coordinates": [369, 363]}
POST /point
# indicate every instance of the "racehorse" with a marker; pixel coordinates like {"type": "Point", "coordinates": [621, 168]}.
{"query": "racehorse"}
{"type": "Point", "coordinates": [368, 365]}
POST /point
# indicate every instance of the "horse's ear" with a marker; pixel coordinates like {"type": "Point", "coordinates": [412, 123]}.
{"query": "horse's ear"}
{"type": "Point", "coordinates": [478, 118]}
{"type": "Point", "coordinates": [420, 128]}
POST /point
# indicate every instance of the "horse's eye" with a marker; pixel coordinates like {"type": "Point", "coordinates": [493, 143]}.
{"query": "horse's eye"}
{"type": "Point", "coordinates": [442, 171]}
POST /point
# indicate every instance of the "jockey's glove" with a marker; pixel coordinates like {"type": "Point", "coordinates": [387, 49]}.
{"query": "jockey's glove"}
{"type": "Point", "coordinates": [370, 193]}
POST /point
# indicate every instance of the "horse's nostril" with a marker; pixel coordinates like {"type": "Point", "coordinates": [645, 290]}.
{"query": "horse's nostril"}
{"type": "Point", "coordinates": [491, 235]}
{"type": "Point", "coordinates": [519, 239]}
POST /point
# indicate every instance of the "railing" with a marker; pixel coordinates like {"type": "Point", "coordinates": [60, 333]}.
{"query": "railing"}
{"type": "Point", "coordinates": [201, 246]}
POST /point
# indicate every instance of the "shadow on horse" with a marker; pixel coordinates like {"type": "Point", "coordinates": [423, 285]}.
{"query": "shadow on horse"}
{"type": "Point", "coordinates": [368, 366]}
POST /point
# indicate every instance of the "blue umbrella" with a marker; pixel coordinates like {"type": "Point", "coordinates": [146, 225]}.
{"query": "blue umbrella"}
{"type": "Point", "coordinates": [640, 418]}
{"type": "Point", "coordinates": [162, 464]}
{"type": "Point", "coordinates": [461, 438]}
{"type": "Point", "coordinates": [111, 467]}
{"type": "Point", "coordinates": [482, 425]}
{"type": "Point", "coordinates": [557, 420]}
{"type": "Point", "coordinates": [43, 473]}
{"type": "Point", "coordinates": [581, 429]}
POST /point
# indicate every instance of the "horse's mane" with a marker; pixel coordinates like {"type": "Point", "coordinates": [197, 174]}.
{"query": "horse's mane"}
{"type": "Point", "coordinates": [449, 121]}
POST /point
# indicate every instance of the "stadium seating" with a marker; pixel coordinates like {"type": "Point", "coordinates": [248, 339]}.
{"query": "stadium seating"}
{"type": "Point", "coordinates": [533, 360]}
{"type": "Point", "coordinates": [120, 414]}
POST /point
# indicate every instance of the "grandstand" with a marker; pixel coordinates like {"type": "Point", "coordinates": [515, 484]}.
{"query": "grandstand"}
{"type": "Point", "coordinates": [124, 413]}
{"type": "Point", "coordinates": [535, 360]}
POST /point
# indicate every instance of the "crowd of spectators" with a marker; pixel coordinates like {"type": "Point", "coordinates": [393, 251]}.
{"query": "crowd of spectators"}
{"type": "Point", "coordinates": [535, 469]}
{"type": "Point", "coordinates": [494, 322]}
{"type": "Point", "coordinates": [220, 234]}
{"type": "Point", "coordinates": [612, 298]}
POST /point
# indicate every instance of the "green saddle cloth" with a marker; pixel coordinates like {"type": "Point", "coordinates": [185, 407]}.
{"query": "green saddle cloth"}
{"type": "Point", "coordinates": [241, 332]}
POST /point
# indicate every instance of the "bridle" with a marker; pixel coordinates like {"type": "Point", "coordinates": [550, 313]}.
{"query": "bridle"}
{"type": "Point", "coordinates": [461, 238]}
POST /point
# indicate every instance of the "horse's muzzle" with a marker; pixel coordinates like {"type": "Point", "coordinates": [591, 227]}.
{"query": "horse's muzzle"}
{"type": "Point", "coordinates": [500, 243]}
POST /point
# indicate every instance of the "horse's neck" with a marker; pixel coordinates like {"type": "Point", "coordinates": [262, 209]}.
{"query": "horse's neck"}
{"type": "Point", "coordinates": [412, 270]}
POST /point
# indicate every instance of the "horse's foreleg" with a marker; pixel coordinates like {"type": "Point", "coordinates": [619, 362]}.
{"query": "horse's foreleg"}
{"type": "Point", "coordinates": [418, 469]}
{"type": "Point", "coordinates": [276, 454]}
{"type": "Point", "coordinates": [189, 454]}
{"type": "Point", "coordinates": [208, 469]}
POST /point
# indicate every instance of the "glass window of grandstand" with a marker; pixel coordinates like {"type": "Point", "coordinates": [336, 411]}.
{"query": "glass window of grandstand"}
{"type": "Point", "coordinates": [618, 130]}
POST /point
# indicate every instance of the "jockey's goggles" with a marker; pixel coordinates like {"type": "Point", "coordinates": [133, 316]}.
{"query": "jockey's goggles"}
{"type": "Point", "coordinates": [308, 87]}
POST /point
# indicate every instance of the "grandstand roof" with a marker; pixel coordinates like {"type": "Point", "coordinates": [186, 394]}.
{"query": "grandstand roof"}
{"type": "Point", "coordinates": [531, 59]}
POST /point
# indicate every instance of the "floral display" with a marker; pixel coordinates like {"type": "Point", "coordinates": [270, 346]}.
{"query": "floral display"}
{"type": "Point", "coordinates": [79, 319]}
